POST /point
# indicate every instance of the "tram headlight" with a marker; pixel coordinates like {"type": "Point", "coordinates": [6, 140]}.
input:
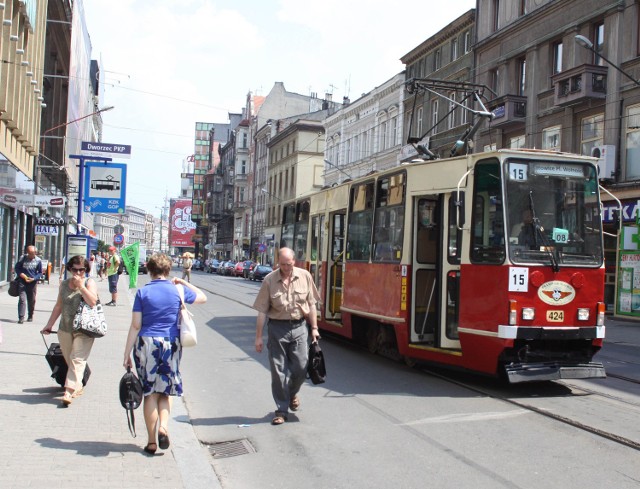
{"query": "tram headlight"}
{"type": "Point", "coordinates": [583, 314]}
{"type": "Point", "coordinates": [528, 313]}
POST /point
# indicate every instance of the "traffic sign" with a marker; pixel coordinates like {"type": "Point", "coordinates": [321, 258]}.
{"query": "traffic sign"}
{"type": "Point", "coordinates": [118, 229]}
{"type": "Point", "coordinates": [118, 239]}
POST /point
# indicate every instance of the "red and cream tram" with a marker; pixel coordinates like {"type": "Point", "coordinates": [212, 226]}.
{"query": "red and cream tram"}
{"type": "Point", "coordinates": [491, 262]}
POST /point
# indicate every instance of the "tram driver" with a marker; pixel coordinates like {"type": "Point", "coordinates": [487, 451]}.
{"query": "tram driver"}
{"type": "Point", "coordinates": [524, 233]}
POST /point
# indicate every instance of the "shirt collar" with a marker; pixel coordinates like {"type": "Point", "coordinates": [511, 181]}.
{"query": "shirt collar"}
{"type": "Point", "coordinates": [294, 274]}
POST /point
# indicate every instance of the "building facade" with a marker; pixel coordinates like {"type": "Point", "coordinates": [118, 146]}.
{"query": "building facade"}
{"type": "Point", "coordinates": [365, 135]}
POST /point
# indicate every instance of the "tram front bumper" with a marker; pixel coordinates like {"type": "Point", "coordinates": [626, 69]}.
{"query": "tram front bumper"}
{"type": "Point", "coordinates": [533, 372]}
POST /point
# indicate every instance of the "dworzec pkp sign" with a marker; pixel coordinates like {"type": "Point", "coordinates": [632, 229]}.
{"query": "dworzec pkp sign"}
{"type": "Point", "coordinates": [106, 149]}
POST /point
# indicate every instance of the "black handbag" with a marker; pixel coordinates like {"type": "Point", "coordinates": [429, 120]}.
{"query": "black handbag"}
{"type": "Point", "coordinates": [130, 397]}
{"type": "Point", "coordinates": [14, 288]}
{"type": "Point", "coordinates": [316, 369]}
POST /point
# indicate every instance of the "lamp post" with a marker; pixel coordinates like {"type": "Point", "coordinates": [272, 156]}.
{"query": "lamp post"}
{"type": "Point", "coordinates": [64, 124]}
{"type": "Point", "coordinates": [586, 43]}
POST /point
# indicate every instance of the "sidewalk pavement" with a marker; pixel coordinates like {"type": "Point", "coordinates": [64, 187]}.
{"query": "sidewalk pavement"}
{"type": "Point", "coordinates": [87, 444]}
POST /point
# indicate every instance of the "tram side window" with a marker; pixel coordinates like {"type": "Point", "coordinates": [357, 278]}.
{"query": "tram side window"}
{"type": "Point", "coordinates": [389, 220]}
{"type": "Point", "coordinates": [360, 222]}
{"type": "Point", "coordinates": [338, 236]}
{"type": "Point", "coordinates": [301, 230]}
{"type": "Point", "coordinates": [487, 222]}
{"type": "Point", "coordinates": [288, 221]}
{"type": "Point", "coordinates": [456, 217]}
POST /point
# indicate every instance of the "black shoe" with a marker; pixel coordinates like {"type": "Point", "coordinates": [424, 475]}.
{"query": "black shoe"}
{"type": "Point", "coordinates": [20, 321]}
{"type": "Point", "coordinates": [110, 303]}
{"type": "Point", "coordinates": [30, 319]}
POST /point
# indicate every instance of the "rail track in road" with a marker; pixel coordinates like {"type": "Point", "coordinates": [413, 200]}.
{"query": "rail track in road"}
{"type": "Point", "coordinates": [494, 394]}
{"type": "Point", "coordinates": [499, 393]}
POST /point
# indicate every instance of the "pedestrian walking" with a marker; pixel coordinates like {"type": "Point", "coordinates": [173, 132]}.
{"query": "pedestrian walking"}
{"type": "Point", "coordinates": [286, 301]}
{"type": "Point", "coordinates": [187, 264]}
{"type": "Point", "coordinates": [154, 339]}
{"type": "Point", "coordinates": [75, 345]}
{"type": "Point", "coordinates": [112, 275]}
{"type": "Point", "coordinates": [29, 271]}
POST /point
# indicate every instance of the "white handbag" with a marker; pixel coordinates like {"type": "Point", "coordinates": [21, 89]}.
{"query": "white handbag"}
{"type": "Point", "coordinates": [188, 335]}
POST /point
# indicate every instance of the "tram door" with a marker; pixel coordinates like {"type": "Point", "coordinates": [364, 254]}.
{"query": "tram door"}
{"type": "Point", "coordinates": [434, 278]}
{"type": "Point", "coordinates": [335, 261]}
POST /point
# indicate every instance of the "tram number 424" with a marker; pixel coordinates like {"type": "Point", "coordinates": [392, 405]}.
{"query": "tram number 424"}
{"type": "Point", "coordinates": [555, 316]}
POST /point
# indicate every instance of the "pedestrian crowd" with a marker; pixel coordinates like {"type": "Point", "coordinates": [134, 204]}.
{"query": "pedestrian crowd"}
{"type": "Point", "coordinates": [285, 303]}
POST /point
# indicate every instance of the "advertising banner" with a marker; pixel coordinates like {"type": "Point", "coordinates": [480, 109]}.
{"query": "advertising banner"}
{"type": "Point", "coordinates": [32, 200]}
{"type": "Point", "coordinates": [105, 187]}
{"type": "Point", "coordinates": [181, 227]}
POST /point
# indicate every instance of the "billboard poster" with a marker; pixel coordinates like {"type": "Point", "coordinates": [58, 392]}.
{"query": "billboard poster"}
{"type": "Point", "coordinates": [629, 283]}
{"type": "Point", "coordinates": [181, 227]}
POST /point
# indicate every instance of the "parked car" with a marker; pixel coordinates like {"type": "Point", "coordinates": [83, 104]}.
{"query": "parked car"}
{"type": "Point", "coordinates": [213, 266]}
{"type": "Point", "coordinates": [221, 267]}
{"type": "Point", "coordinates": [238, 269]}
{"type": "Point", "coordinates": [142, 268]}
{"type": "Point", "coordinates": [229, 268]}
{"type": "Point", "coordinates": [248, 266]}
{"type": "Point", "coordinates": [259, 272]}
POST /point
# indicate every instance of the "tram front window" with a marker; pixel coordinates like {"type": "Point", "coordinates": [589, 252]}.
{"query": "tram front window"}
{"type": "Point", "coordinates": [553, 213]}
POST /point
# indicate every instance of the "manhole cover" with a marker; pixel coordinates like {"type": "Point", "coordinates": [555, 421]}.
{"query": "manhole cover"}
{"type": "Point", "coordinates": [233, 448]}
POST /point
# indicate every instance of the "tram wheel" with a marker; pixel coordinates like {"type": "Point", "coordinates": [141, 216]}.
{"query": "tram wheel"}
{"type": "Point", "coordinates": [409, 362]}
{"type": "Point", "coordinates": [373, 338]}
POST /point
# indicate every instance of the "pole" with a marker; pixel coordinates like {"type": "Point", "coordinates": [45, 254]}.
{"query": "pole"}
{"type": "Point", "coordinates": [81, 159]}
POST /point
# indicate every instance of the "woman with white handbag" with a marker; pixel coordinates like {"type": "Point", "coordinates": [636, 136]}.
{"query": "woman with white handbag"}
{"type": "Point", "coordinates": [75, 345]}
{"type": "Point", "coordinates": [154, 340]}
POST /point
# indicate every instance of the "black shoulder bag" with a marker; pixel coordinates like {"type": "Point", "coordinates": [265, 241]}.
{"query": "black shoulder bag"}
{"type": "Point", "coordinates": [316, 370]}
{"type": "Point", "coordinates": [130, 397]}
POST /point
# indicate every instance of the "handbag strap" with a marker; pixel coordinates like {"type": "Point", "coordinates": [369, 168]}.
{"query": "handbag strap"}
{"type": "Point", "coordinates": [131, 421]}
{"type": "Point", "coordinates": [181, 294]}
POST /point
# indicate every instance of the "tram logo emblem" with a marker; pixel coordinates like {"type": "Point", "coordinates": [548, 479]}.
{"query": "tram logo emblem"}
{"type": "Point", "coordinates": [556, 293]}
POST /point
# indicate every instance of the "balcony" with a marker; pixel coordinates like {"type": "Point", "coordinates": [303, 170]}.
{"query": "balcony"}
{"type": "Point", "coordinates": [509, 111]}
{"type": "Point", "coordinates": [580, 84]}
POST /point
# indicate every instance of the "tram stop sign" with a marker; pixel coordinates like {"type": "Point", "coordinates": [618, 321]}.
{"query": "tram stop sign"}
{"type": "Point", "coordinates": [118, 239]}
{"type": "Point", "coordinates": [118, 229]}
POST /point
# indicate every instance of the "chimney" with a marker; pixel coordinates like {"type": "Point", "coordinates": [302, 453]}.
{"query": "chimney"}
{"type": "Point", "coordinates": [345, 100]}
{"type": "Point", "coordinates": [327, 97]}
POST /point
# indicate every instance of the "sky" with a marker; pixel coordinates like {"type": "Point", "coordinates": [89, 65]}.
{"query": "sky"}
{"type": "Point", "coordinates": [167, 65]}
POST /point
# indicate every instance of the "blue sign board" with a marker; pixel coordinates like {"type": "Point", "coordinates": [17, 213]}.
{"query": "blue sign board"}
{"type": "Point", "coordinates": [106, 149]}
{"type": "Point", "coordinates": [118, 239]}
{"type": "Point", "coordinates": [105, 187]}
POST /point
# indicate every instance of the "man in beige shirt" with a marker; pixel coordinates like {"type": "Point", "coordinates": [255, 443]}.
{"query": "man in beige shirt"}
{"type": "Point", "coordinates": [287, 299]}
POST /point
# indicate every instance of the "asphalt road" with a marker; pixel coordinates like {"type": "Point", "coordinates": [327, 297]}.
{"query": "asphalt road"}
{"type": "Point", "coordinates": [380, 424]}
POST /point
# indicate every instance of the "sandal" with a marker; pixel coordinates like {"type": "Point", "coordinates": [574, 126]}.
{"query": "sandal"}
{"type": "Point", "coordinates": [150, 450]}
{"type": "Point", "coordinates": [67, 399]}
{"type": "Point", "coordinates": [294, 404]}
{"type": "Point", "coordinates": [163, 439]}
{"type": "Point", "coordinates": [278, 419]}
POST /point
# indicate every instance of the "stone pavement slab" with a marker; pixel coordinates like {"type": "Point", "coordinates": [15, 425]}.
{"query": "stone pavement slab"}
{"type": "Point", "coordinates": [87, 444]}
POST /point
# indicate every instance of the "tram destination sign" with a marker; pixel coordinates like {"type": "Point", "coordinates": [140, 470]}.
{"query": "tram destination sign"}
{"type": "Point", "coordinates": [106, 149]}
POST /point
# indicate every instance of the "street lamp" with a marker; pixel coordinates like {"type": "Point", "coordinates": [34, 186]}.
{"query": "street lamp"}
{"type": "Point", "coordinates": [586, 43]}
{"type": "Point", "coordinates": [64, 124]}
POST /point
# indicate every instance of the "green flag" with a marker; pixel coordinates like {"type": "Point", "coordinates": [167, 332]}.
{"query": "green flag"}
{"type": "Point", "coordinates": [130, 256]}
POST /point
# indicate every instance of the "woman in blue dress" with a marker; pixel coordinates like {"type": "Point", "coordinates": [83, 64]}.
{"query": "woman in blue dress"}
{"type": "Point", "coordinates": [154, 339]}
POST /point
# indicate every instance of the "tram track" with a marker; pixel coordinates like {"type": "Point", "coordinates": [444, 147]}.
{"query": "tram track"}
{"type": "Point", "coordinates": [621, 440]}
{"type": "Point", "coordinates": [608, 435]}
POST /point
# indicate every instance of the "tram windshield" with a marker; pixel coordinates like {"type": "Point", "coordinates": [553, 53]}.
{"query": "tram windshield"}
{"type": "Point", "coordinates": [553, 213]}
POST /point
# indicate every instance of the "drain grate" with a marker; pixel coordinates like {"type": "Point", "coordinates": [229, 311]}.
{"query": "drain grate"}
{"type": "Point", "coordinates": [232, 448]}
